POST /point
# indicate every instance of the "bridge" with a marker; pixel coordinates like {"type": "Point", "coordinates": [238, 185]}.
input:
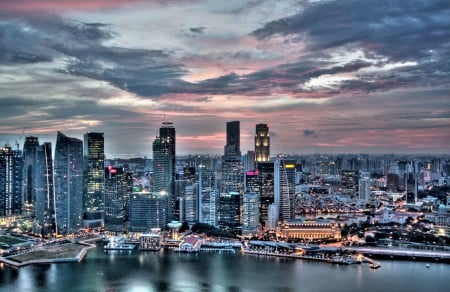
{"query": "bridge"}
{"type": "Point", "coordinates": [436, 255]}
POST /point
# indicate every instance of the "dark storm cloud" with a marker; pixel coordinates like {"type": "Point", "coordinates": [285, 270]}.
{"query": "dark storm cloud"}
{"type": "Point", "coordinates": [386, 31]}
{"type": "Point", "coordinates": [310, 133]}
{"type": "Point", "coordinates": [200, 29]}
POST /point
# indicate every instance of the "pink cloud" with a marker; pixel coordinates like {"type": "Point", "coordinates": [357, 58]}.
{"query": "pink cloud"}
{"type": "Point", "coordinates": [62, 5]}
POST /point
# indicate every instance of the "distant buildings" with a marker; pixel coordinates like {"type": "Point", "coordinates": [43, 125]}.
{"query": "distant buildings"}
{"type": "Point", "coordinates": [68, 184]}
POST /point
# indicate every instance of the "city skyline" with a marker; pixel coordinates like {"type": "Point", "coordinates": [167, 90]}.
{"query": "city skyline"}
{"type": "Point", "coordinates": [326, 76]}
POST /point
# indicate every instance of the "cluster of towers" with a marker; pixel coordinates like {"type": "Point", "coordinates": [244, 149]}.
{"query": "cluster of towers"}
{"type": "Point", "coordinates": [75, 190]}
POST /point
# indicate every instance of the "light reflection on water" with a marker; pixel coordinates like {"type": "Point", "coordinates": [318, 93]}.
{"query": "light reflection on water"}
{"type": "Point", "coordinates": [168, 271]}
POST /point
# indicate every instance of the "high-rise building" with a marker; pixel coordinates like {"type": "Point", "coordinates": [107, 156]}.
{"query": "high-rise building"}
{"type": "Point", "coordinates": [94, 180]}
{"type": "Point", "coordinates": [29, 158]}
{"type": "Point", "coordinates": [266, 190]}
{"type": "Point", "coordinates": [191, 212]}
{"type": "Point", "coordinates": [68, 184]}
{"type": "Point", "coordinates": [118, 187]}
{"type": "Point", "coordinates": [11, 174]}
{"type": "Point", "coordinates": [250, 213]}
{"type": "Point", "coordinates": [284, 175]}
{"type": "Point", "coordinates": [232, 184]}
{"type": "Point", "coordinates": [147, 211]}
{"type": "Point", "coordinates": [233, 146]}
{"type": "Point", "coordinates": [208, 196]}
{"type": "Point", "coordinates": [164, 166]}
{"type": "Point", "coordinates": [44, 195]}
{"type": "Point", "coordinates": [262, 143]}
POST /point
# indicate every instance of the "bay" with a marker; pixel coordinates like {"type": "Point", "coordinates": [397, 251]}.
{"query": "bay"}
{"type": "Point", "coordinates": [169, 271]}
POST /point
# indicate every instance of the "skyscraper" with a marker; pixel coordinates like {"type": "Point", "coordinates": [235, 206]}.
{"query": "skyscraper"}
{"type": "Point", "coordinates": [11, 173]}
{"type": "Point", "coordinates": [68, 184]}
{"type": "Point", "coordinates": [233, 146]}
{"type": "Point", "coordinates": [117, 187]}
{"type": "Point", "coordinates": [262, 143]}
{"type": "Point", "coordinates": [250, 213]}
{"type": "Point", "coordinates": [29, 159]}
{"type": "Point", "coordinates": [94, 180]}
{"type": "Point", "coordinates": [148, 210]}
{"type": "Point", "coordinates": [208, 196]}
{"type": "Point", "coordinates": [232, 185]}
{"type": "Point", "coordinates": [164, 166]}
{"type": "Point", "coordinates": [44, 196]}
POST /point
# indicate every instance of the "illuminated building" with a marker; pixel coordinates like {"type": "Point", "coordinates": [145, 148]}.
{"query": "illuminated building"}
{"type": "Point", "coordinates": [118, 187]}
{"type": "Point", "coordinates": [11, 174]}
{"type": "Point", "coordinates": [208, 196]}
{"type": "Point", "coordinates": [309, 229]}
{"type": "Point", "coordinates": [266, 190]}
{"type": "Point", "coordinates": [284, 187]}
{"type": "Point", "coordinates": [44, 196]}
{"type": "Point", "coordinates": [262, 143]}
{"type": "Point", "coordinates": [147, 211]}
{"type": "Point", "coordinates": [232, 185]}
{"type": "Point", "coordinates": [68, 184]}
{"type": "Point", "coordinates": [164, 171]}
{"type": "Point", "coordinates": [349, 181]}
{"type": "Point", "coordinates": [29, 158]}
{"type": "Point", "coordinates": [250, 213]}
{"type": "Point", "coordinates": [230, 210]}
{"type": "Point", "coordinates": [94, 180]}
{"type": "Point", "coordinates": [191, 203]}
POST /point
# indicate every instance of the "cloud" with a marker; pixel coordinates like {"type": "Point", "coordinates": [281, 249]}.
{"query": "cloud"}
{"type": "Point", "coordinates": [200, 29]}
{"type": "Point", "coordinates": [310, 133]}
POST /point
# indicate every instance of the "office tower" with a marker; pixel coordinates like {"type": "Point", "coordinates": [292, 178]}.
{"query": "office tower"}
{"type": "Point", "coordinates": [272, 216]}
{"type": "Point", "coordinates": [266, 190]}
{"type": "Point", "coordinates": [147, 211]}
{"type": "Point", "coordinates": [94, 180]}
{"type": "Point", "coordinates": [252, 182]}
{"type": "Point", "coordinates": [29, 158]}
{"type": "Point", "coordinates": [232, 185]}
{"type": "Point", "coordinates": [191, 203]}
{"type": "Point", "coordinates": [262, 143]}
{"type": "Point", "coordinates": [207, 188]}
{"type": "Point", "coordinates": [44, 196]}
{"type": "Point", "coordinates": [11, 174]}
{"type": "Point", "coordinates": [233, 146]}
{"type": "Point", "coordinates": [250, 214]}
{"type": "Point", "coordinates": [164, 171]}
{"type": "Point", "coordinates": [349, 181]}
{"type": "Point", "coordinates": [68, 184]}
{"type": "Point", "coordinates": [364, 189]}
{"type": "Point", "coordinates": [230, 211]}
{"type": "Point", "coordinates": [282, 190]}
{"type": "Point", "coordinates": [118, 187]}
{"type": "Point", "coordinates": [249, 161]}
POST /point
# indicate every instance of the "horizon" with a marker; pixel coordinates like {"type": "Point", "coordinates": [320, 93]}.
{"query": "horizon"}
{"type": "Point", "coordinates": [326, 76]}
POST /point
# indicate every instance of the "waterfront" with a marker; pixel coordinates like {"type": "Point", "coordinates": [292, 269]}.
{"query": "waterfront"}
{"type": "Point", "coordinates": [169, 271]}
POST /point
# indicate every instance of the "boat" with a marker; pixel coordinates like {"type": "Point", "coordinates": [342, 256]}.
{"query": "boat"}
{"type": "Point", "coordinates": [428, 266]}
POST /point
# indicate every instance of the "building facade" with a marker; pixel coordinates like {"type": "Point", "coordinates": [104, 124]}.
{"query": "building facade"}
{"type": "Point", "coordinates": [68, 184]}
{"type": "Point", "coordinates": [94, 180]}
{"type": "Point", "coordinates": [11, 175]}
{"type": "Point", "coordinates": [262, 143]}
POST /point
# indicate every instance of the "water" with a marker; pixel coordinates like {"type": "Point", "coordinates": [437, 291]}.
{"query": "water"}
{"type": "Point", "coordinates": [168, 271]}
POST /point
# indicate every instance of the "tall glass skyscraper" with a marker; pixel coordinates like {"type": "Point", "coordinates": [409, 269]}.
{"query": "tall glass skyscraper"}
{"type": "Point", "coordinates": [94, 179]}
{"type": "Point", "coordinates": [262, 143]}
{"type": "Point", "coordinates": [232, 185]}
{"type": "Point", "coordinates": [68, 183]}
{"type": "Point", "coordinates": [11, 173]}
{"type": "Point", "coordinates": [29, 159]}
{"type": "Point", "coordinates": [208, 196]}
{"type": "Point", "coordinates": [44, 200]}
{"type": "Point", "coordinates": [164, 171]}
